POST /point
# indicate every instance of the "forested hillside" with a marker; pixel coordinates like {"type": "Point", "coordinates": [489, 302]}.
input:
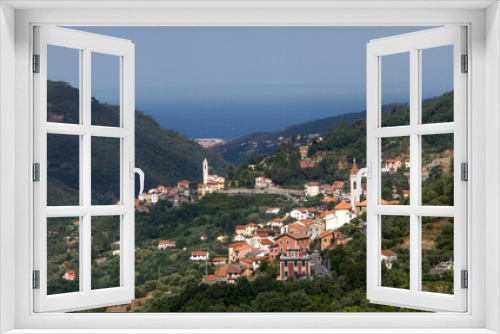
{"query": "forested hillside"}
{"type": "Point", "coordinates": [333, 155]}
{"type": "Point", "coordinates": [165, 156]}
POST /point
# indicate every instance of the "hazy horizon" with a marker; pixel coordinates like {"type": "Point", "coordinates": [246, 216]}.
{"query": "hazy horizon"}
{"type": "Point", "coordinates": [226, 82]}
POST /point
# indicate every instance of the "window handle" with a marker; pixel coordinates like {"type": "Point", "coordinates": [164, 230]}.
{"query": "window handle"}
{"type": "Point", "coordinates": [139, 171]}
{"type": "Point", "coordinates": [366, 170]}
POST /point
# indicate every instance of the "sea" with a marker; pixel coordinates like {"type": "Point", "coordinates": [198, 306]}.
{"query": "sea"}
{"type": "Point", "coordinates": [230, 119]}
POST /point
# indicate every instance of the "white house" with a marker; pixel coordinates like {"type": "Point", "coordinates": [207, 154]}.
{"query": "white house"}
{"type": "Point", "coordinates": [263, 182]}
{"type": "Point", "coordinates": [239, 237]}
{"type": "Point", "coordinates": [116, 252]}
{"type": "Point", "coordinates": [388, 256]}
{"type": "Point", "coordinates": [341, 215]}
{"type": "Point", "coordinates": [312, 189]}
{"type": "Point", "coordinates": [278, 222]}
{"type": "Point", "coordinates": [273, 210]}
{"type": "Point", "coordinates": [302, 213]}
{"type": "Point", "coordinates": [199, 256]}
{"type": "Point", "coordinates": [155, 197]}
{"type": "Point", "coordinates": [164, 244]}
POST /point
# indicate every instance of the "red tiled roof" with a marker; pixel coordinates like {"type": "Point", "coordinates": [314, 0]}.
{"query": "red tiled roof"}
{"type": "Point", "coordinates": [222, 272]}
{"type": "Point", "coordinates": [278, 220]}
{"type": "Point", "coordinates": [325, 233]}
{"type": "Point", "coordinates": [266, 242]}
{"type": "Point", "coordinates": [342, 206]}
{"type": "Point", "coordinates": [298, 235]}
{"type": "Point", "coordinates": [167, 242]}
{"type": "Point", "coordinates": [387, 252]}
{"type": "Point", "coordinates": [312, 184]}
{"type": "Point", "coordinates": [199, 253]}
{"type": "Point", "coordinates": [233, 269]}
{"type": "Point", "coordinates": [219, 259]}
{"type": "Point", "coordinates": [211, 278]}
{"type": "Point", "coordinates": [237, 244]}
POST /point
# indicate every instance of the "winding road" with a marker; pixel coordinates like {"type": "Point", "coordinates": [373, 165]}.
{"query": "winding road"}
{"type": "Point", "coordinates": [288, 193]}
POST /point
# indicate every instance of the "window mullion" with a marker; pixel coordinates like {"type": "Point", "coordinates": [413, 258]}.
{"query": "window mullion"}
{"type": "Point", "coordinates": [85, 167]}
{"type": "Point", "coordinates": [415, 171]}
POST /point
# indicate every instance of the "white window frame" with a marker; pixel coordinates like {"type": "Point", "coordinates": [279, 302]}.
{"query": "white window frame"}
{"type": "Point", "coordinates": [483, 20]}
{"type": "Point", "coordinates": [85, 44]}
{"type": "Point", "coordinates": [413, 44]}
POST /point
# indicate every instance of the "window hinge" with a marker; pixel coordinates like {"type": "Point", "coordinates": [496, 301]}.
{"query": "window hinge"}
{"type": "Point", "coordinates": [464, 171]}
{"type": "Point", "coordinates": [465, 279]}
{"type": "Point", "coordinates": [465, 64]}
{"type": "Point", "coordinates": [36, 63]}
{"type": "Point", "coordinates": [36, 279]}
{"type": "Point", "coordinates": [36, 172]}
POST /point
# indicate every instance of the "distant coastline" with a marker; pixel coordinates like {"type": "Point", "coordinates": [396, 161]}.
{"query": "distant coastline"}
{"type": "Point", "coordinates": [231, 119]}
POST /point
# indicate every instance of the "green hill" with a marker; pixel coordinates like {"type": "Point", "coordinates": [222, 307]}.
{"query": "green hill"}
{"type": "Point", "coordinates": [165, 156]}
{"type": "Point", "coordinates": [237, 150]}
{"type": "Point", "coordinates": [334, 154]}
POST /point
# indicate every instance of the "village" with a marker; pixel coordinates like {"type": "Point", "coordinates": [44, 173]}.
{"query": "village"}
{"type": "Point", "coordinates": [294, 240]}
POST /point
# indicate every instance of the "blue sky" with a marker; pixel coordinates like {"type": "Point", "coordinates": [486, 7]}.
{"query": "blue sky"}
{"type": "Point", "coordinates": [233, 71]}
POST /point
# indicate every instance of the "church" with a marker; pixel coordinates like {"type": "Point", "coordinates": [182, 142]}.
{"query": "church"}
{"type": "Point", "coordinates": [211, 183]}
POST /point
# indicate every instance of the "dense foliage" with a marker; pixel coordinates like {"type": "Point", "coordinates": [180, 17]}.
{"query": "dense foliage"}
{"type": "Point", "coordinates": [212, 215]}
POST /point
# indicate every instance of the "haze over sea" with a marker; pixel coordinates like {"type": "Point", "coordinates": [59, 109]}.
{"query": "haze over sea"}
{"type": "Point", "coordinates": [230, 119]}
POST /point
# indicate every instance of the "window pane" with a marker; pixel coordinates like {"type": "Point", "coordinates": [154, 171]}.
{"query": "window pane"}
{"type": "Point", "coordinates": [437, 254]}
{"type": "Point", "coordinates": [395, 252]}
{"type": "Point", "coordinates": [63, 82]}
{"type": "Point", "coordinates": [63, 170]}
{"type": "Point", "coordinates": [437, 84]}
{"type": "Point", "coordinates": [105, 90]}
{"type": "Point", "coordinates": [395, 87]}
{"type": "Point", "coordinates": [437, 170]}
{"type": "Point", "coordinates": [105, 170]}
{"type": "Point", "coordinates": [395, 170]}
{"type": "Point", "coordinates": [105, 252]}
{"type": "Point", "coordinates": [63, 255]}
